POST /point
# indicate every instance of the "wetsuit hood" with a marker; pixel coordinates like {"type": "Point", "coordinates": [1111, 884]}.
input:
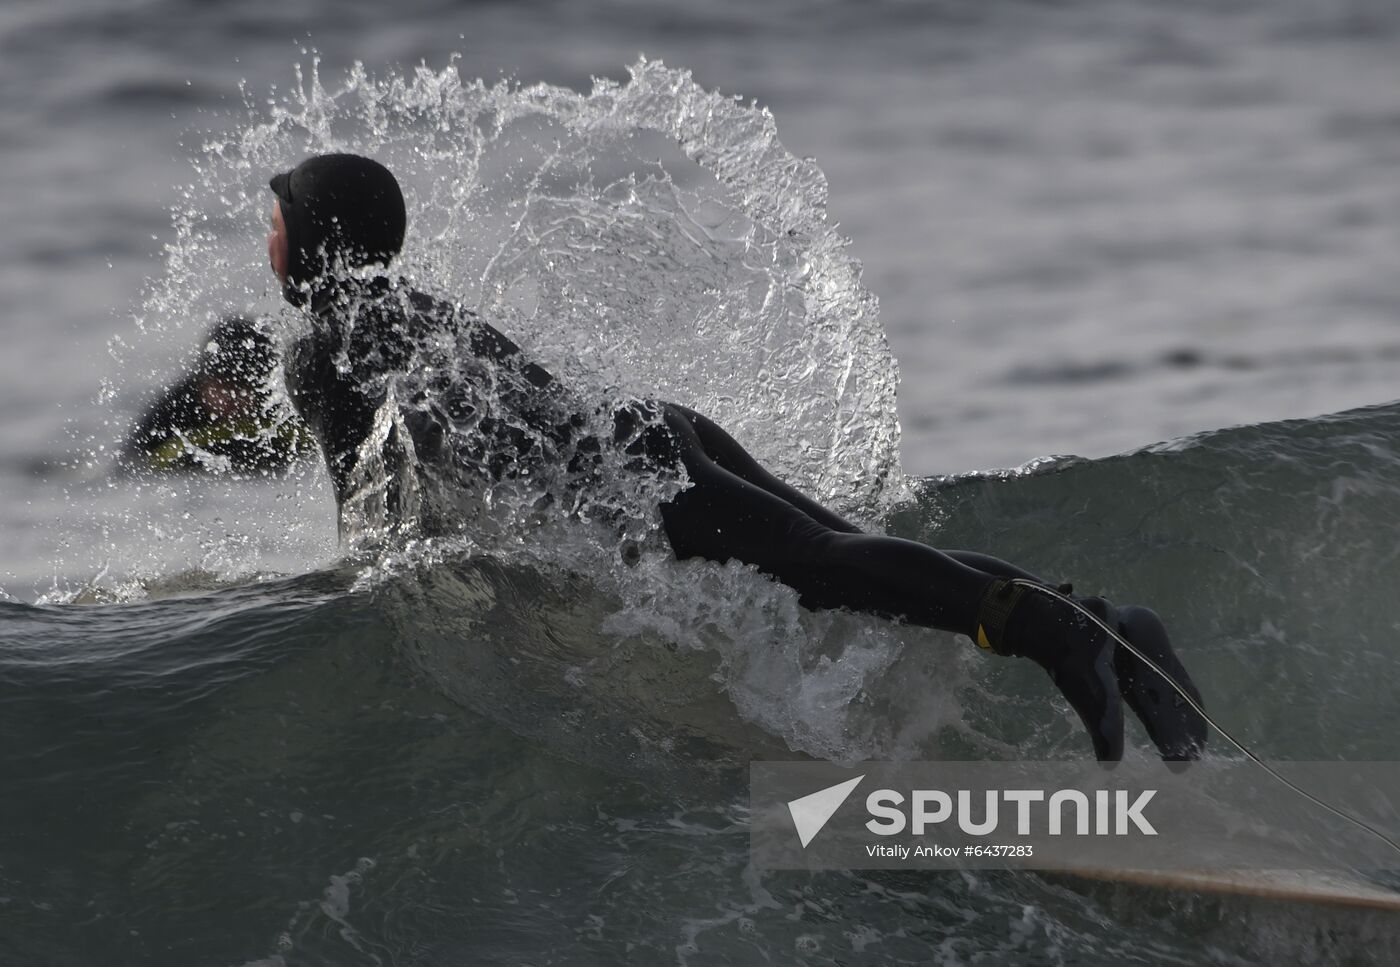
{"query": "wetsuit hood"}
{"type": "Point", "coordinates": [341, 211]}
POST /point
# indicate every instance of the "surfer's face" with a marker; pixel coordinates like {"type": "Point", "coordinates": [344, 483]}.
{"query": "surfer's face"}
{"type": "Point", "coordinates": [278, 252]}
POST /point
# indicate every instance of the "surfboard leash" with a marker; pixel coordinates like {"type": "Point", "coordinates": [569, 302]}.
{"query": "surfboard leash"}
{"type": "Point", "coordinates": [1133, 650]}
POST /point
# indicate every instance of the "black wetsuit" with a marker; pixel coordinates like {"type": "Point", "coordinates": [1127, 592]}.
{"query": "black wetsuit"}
{"type": "Point", "coordinates": [180, 430]}
{"type": "Point", "coordinates": [732, 508]}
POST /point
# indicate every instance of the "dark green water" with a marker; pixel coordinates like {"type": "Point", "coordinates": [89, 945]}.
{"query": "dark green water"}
{"type": "Point", "coordinates": [461, 764]}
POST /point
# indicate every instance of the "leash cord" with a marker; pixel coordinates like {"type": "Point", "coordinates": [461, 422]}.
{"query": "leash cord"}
{"type": "Point", "coordinates": [1135, 652]}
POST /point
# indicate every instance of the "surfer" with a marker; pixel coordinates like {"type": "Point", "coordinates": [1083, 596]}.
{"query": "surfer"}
{"type": "Point", "coordinates": [222, 410]}
{"type": "Point", "coordinates": [338, 221]}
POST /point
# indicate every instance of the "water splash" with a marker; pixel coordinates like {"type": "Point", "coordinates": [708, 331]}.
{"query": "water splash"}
{"type": "Point", "coordinates": [650, 236]}
{"type": "Point", "coordinates": [646, 239]}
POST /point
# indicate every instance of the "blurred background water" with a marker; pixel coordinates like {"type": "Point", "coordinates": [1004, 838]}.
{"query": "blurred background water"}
{"type": "Point", "coordinates": [1091, 226]}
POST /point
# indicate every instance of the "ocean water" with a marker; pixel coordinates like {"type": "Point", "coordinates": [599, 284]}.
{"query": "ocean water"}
{"type": "Point", "coordinates": [1022, 230]}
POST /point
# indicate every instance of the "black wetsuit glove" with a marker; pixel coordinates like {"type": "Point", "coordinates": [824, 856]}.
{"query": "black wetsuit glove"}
{"type": "Point", "coordinates": [1023, 620]}
{"type": "Point", "coordinates": [1178, 730]}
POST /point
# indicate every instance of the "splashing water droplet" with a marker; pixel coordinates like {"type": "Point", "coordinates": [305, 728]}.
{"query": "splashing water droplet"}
{"type": "Point", "coordinates": [649, 238]}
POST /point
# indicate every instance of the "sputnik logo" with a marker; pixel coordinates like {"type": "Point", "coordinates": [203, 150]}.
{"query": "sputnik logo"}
{"type": "Point", "coordinates": [811, 812]}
